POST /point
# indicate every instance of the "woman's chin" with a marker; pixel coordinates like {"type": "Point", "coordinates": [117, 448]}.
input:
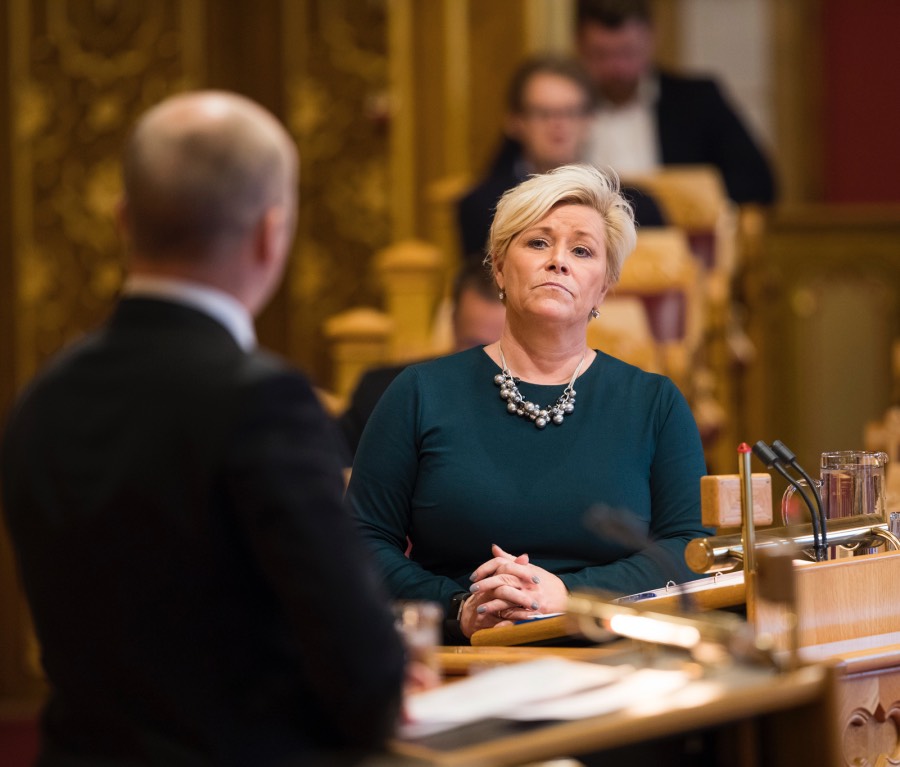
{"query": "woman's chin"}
{"type": "Point", "coordinates": [552, 312]}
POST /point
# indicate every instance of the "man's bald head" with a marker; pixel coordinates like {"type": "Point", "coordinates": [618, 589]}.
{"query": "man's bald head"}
{"type": "Point", "coordinates": [200, 171]}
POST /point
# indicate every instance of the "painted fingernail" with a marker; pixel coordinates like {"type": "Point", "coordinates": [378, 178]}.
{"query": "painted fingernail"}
{"type": "Point", "coordinates": [473, 577]}
{"type": "Point", "coordinates": [474, 587]}
{"type": "Point", "coordinates": [534, 605]}
{"type": "Point", "coordinates": [481, 609]}
{"type": "Point", "coordinates": [535, 579]}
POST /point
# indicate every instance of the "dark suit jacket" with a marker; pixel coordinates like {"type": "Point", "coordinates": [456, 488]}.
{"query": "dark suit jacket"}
{"type": "Point", "coordinates": [199, 594]}
{"type": "Point", "coordinates": [475, 211]}
{"type": "Point", "coordinates": [697, 126]}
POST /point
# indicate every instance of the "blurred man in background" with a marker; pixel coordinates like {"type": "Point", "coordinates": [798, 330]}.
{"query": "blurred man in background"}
{"type": "Point", "coordinates": [646, 117]}
{"type": "Point", "coordinates": [549, 112]}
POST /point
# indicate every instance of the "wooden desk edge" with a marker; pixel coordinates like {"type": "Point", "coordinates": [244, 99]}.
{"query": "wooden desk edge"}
{"type": "Point", "coordinates": [629, 726]}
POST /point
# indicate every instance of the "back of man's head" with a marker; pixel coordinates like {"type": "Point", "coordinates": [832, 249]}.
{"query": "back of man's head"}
{"type": "Point", "coordinates": [614, 13]}
{"type": "Point", "coordinates": [200, 170]}
{"type": "Point", "coordinates": [478, 313]}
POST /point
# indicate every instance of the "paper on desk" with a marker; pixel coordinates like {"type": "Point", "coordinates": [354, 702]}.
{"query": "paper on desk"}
{"type": "Point", "coordinates": [496, 692]}
{"type": "Point", "coordinates": [630, 690]}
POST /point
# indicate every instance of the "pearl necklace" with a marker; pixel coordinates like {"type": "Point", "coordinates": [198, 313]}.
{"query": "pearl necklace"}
{"type": "Point", "coordinates": [516, 404]}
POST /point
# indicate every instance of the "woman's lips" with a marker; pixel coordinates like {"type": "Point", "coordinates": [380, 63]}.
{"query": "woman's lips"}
{"type": "Point", "coordinates": [555, 285]}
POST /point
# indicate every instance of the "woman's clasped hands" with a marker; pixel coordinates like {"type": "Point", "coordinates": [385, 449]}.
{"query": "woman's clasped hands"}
{"type": "Point", "coordinates": [509, 588]}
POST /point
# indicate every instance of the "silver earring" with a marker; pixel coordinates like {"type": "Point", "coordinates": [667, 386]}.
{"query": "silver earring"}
{"type": "Point", "coordinates": [502, 295]}
{"type": "Point", "coordinates": [595, 312]}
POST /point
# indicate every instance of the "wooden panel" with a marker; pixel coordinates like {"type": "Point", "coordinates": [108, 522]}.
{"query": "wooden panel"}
{"type": "Point", "coordinates": [232, 42]}
{"type": "Point", "coordinates": [823, 304]}
{"type": "Point", "coordinates": [798, 88]}
{"type": "Point", "coordinates": [497, 47]}
{"type": "Point", "coordinates": [869, 718]}
{"type": "Point", "coordinates": [840, 600]}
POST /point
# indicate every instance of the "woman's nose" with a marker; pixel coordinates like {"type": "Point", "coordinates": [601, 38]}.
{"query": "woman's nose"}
{"type": "Point", "coordinates": [558, 262]}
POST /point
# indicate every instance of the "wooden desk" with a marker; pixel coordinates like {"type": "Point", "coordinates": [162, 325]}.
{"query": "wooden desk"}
{"type": "Point", "coordinates": [759, 716]}
{"type": "Point", "coordinates": [459, 661]}
{"type": "Point", "coordinates": [847, 613]}
{"type": "Point", "coordinates": [549, 631]}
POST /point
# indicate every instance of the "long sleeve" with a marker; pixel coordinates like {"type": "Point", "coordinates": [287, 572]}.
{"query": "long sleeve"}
{"type": "Point", "coordinates": [675, 472]}
{"type": "Point", "coordinates": [381, 490]}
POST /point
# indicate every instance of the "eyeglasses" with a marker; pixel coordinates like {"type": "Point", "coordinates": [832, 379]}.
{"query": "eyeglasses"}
{"type": "Point", "coordinates": [543, 114]}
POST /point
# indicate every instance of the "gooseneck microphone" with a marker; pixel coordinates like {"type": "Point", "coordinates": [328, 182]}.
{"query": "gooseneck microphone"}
{"type": "Point", "coordinates": [772, 461]}
{"type": "Point", "coordinates": [622, 528]}
{"type": "Point", "coordinates": [787, 456]}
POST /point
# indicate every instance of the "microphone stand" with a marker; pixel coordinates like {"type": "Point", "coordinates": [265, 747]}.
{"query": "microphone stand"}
{"type": "Point", "coordinates": [748, 531]}
{"type": "Point", "coordinates": [786, 454]}
{"type": "Point", "coordinates": [768, 457]}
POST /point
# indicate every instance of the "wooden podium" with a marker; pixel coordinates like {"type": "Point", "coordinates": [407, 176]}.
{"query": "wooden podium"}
{"type": "Point", "coordinates": [848, 613]}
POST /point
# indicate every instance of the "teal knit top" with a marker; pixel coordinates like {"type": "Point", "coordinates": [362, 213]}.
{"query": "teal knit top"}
{"type": "Point", "coordinates": [443, 465]}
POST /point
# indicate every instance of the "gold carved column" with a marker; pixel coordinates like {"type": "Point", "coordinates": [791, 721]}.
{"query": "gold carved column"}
{"type": "Point", "coordinates": [337, 106]}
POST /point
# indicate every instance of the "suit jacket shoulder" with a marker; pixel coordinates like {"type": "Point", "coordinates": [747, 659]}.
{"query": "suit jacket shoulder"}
{"type": "Point", "coordinates": [475, 211]}
{"type": "Point", "coordinates": [697, 125]}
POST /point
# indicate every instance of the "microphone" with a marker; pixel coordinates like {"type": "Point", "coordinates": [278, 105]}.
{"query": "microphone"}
{"type": "Point", "coordinates": [787, 455]}
{"type": "Point", "coordinates": [622, 527]}
{"type": "Point", "coordinates": [771, 460]}
{"type": "Point", "coordinates": [637, 620]}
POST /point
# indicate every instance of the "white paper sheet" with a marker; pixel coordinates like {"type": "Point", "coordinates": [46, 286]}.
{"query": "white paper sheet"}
{"type": "Point", "coordinates": [628, 691]}
{"type": "Point", "coordinates": [499, 691]}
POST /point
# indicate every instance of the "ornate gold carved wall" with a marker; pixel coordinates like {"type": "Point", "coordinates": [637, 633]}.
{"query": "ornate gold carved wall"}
{"type": "Point", "coordinates": [80, 71]}
{"type": "Point", "coordinates": [337, 107]}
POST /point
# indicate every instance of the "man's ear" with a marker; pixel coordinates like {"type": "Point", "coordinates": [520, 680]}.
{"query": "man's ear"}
{"type": "Point", "coordinates": [271, 235]}
{"type": "Point", "coordinates": [122, 219]}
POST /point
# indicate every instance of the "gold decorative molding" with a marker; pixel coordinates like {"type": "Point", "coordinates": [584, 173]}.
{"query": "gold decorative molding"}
{"type": "Point", "coordinates": [79, 73]}
{"type": "Point", "coordinates": [339, 110]}
{"type": "Point", "coordinates": [403, 125]}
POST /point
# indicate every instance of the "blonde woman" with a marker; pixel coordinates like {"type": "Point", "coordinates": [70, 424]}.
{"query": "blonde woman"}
{"type": "Point", "coordinates": [487, 460]}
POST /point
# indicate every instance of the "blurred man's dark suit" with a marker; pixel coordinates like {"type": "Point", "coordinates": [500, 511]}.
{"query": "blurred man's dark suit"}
{"type": "Point", "coordinates": [698, 126]}
{"type": "Point", "coordinates": [176, 505]}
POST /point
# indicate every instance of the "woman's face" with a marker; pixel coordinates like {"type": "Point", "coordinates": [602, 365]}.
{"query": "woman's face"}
{"type": "Point", "coordinates": [556, 268]}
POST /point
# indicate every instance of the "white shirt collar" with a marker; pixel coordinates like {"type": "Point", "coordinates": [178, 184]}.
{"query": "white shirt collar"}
{"type": "Point", "coordinates": [646, 96]}
{"type": "Point", "coordinates": [221, 306]}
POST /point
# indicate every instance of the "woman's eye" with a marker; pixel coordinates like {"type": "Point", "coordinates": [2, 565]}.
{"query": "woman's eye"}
{"type": "Point", "coordinates": [581, 251]}
{"type": "Point", "coordinates": [537, 243]}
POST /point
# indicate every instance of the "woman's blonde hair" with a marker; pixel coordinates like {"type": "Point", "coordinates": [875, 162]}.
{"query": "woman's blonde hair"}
{"type": "Point", "coordinates": [526, 204]}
